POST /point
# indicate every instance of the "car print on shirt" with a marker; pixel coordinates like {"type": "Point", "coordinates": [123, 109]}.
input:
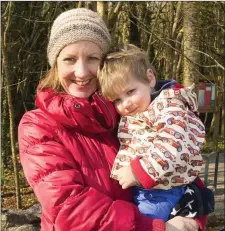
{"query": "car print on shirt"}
{"type": "Point", "coordinates": [160, 126]}
{"type": "Point", "coordinates": [142, 149]}
{"type": "Point", "coordinates": [181, 169]}
{"type": "Point", "coordinates": [197, 133]}
{"type": "Point", "coordinates": [125, 140]}
{"type": "Point", "coordinates": [150, 139]}
{"type": "Point", "coordinates": [171, 142]}
{"type": "Point", "coordinates": [196, 124]}
{"type": "Point", "coordinates": [178, 94]}
{"type": "Point", "coordinates": [160, 161]}
{"type": "Point", "coordinates": [164, 182]}
{"type": "Point", "coordinates": [127, 148]}
{"type": "Point", "coordinates": [192, 172]}
{"type": "Point", "coordinates": [173, 104]}
{"type": "Point", "coordinates": [150, 169]}
{"type": "Point", "coordinates": [177, 113]}
{"type": "Point", "coordinates": [193, 139]}
{"type": "Point", "coordinates": [124, 130]}
{"type": "Point", "coordinates": [192, 114]}
{"type": "Point", "coordinates": [170, 104]}
{"type": "Point", "coordinates": [174, 133]}
{"type": "Point", "coordinates": [179, 123]}
{"type": "Point", "coordinates": [153, 172]}
{"type": "Point", "coordinates": [124, 146]}
{"type": "Point", "coordinates": [141, 131]}
{"type": "Point", "coordinates": [178, 179]}
{"type": "Point", "coordinates": [117, 166]}
{"type": "Point", "coordinates": [192, 103]}
{"type": "Point", "coordinates": [196, 163]}
{"type": "Point", "coordinates": [123, 158]}
{"type": "Point", "coordinates": [160, 106]}
{"type": "Point", "coordinates": [185, 157]}
{"type": "Point", "coordinates": [192, 150]}
{"type": "Point", "coordinates": [168, 174]}
{"type": "Point", "coordinates": [137, 140]}
{"type": "Point", "coordinates": [166, 153]}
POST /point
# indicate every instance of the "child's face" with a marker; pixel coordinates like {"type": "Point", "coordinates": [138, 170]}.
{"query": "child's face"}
{"type": "Point", "coordinates": [134, 97]}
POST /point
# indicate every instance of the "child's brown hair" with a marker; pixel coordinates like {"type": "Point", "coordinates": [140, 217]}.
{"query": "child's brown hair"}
{"type": "Point", "coordinates": [117, 67]}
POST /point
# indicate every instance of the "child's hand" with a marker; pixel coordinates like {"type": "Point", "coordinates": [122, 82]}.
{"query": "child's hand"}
{"type": "Point", "coordinates": [126, 177]}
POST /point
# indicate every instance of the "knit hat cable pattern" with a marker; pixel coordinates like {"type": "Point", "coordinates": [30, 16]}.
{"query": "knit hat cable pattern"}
{"type": "Point", "coordinates": [77, 25]}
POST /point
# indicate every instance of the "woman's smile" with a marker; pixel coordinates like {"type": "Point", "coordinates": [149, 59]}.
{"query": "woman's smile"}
{"type": "Point", "coordinates": [77, 66]}
{"type": "Point", "coordinates": [81, 83]}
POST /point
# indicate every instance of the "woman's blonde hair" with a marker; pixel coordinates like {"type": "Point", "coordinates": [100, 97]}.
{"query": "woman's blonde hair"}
{"type": "Point", "coordinates": [117, 67]}
{"type": "Point", "coordinates": [51, 80]}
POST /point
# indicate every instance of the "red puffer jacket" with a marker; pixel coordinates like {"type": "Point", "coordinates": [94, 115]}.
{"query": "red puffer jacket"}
{"type": "Point", "coordinates": [67, 148]}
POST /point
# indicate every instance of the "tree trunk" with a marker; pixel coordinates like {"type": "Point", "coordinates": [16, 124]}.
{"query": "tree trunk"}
{"type": "Point", "coordinates": [152, 26]}
{"type": "Point", "coordinates": [8, 81]}
{"type": "Point", "coordinates": [169, 52]}
{"type": "Point", "coordinates": [101, 7]}
{"type": "Point", "coordinates": [177, 35]}
{"type": "Point", "coordinates": [134, 32]}
{"type": "Point", "coordinates": [223, 123]}
{"type": "Point", "coordinates": [113, 21]}
{"type": "Point", "coordinates": [191, 42]}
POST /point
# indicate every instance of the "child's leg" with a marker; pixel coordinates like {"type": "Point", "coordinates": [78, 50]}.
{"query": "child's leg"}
{"type": "Point", "coordinates": [157, 203]}
{"type": "Point", "coordinates": [196, 202]}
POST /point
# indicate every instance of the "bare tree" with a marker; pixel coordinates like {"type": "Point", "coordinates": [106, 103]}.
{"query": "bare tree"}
{"type": "Point", "coordinates": [191, 42]}
{"type": "Point", "coordinates": [8, 77]}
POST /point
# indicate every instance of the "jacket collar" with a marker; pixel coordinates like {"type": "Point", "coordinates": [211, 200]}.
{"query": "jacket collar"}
{"type": "Point", "coordinates": [94, 116]}
{"type": "Point", "coordinates": [161, 85]}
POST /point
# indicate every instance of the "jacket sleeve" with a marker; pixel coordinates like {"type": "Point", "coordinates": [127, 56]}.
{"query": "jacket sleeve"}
{"type": "Point", "coordinates": [174, 157]}
{"type": "Point", "coordinates": [67, 203]}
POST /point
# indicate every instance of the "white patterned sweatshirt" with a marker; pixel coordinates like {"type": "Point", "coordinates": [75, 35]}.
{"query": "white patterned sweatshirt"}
{"type": "Point", "coordinates": [162, 144]}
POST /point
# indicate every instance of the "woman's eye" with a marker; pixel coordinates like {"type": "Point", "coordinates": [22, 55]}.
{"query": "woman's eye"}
{"type": "Point", "coordinates": [69, 60]}
{"type": "Point", "coordinates": [131, 91]}
{"type": "Point", "coordinates": [93, 58]}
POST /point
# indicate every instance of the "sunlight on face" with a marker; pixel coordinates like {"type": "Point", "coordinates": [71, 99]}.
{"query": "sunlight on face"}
{"type": "Point", "coordinates": [77, 65]}
{"type": "Point", "coordinates": [133, 98]}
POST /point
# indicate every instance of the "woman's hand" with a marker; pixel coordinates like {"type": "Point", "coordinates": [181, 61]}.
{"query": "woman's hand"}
{"type": "Point", "coordinates": [182, 224]}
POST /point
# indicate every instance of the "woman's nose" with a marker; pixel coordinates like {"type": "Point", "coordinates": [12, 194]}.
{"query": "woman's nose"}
{"type": "Point", "coordinates": [81, 69]}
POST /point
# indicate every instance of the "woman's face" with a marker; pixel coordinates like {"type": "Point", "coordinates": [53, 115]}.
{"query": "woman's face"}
{"type": "Point", "coordinates": [77, 66]}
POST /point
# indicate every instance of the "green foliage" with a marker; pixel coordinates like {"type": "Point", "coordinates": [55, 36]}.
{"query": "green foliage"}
{"type": "Point", "coordinates": [211, 145]}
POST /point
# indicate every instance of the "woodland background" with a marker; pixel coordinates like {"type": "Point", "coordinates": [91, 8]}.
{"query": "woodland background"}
{"type": "Point", "coordinates": [184, 41]}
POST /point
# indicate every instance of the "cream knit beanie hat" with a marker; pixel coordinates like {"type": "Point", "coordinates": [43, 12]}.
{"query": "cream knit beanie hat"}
{"type": "Point", "coordinates": [76, 25]}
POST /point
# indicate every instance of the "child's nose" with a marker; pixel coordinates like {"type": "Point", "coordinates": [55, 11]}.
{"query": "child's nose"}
{"type": "Point", "coordinates": [126, 104]}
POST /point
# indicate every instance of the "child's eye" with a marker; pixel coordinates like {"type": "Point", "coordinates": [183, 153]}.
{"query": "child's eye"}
{"type": "Point", "coordinates": [116, 101]}
{"type": "Point", "coordinates": [130, 91]}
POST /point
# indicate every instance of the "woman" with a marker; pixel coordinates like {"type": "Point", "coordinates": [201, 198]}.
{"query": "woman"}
{"type": "Point", "coordinates": [68, 145]}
